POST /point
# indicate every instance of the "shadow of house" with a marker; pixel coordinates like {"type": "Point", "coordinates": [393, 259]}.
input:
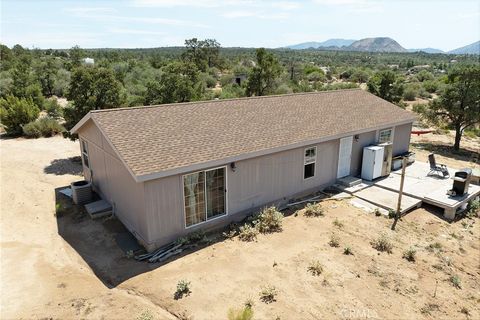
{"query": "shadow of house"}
{"type": "Point", "coordinates": [72, 165]}
{"type": "Point", "coordinates": [94, 241]}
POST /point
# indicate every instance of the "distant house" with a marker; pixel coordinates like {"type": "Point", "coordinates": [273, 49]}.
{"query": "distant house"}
{"type": "Point", "coordinates": [169, 170]}
{"type": "Point", "coordinates": [88, 61]}
{"type": "Point", "coordinates": [239, 78]}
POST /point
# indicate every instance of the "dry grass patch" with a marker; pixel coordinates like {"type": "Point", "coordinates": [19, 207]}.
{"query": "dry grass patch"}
{"type": "Point", "coordinates": [314, 210]}
{"type": "Point", "coordinates": [248, 233]}
{"type": "Point", "coordinates": [268, 294]}
{"type": "Point", "coordinates": [315, 268]}
{"type": "Point", "coordinates": [382, 244]}
{"type": "Point", "coordinates": [334, 241]}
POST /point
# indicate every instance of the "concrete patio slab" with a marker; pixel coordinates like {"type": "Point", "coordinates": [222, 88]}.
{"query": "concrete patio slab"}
{"type": "Point", "coordinates": [387, 199]}
{"type": "Point", "coordinates": [431, 189]}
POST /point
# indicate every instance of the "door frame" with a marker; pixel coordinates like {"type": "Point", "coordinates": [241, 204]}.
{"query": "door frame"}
{"type": "Point", "coordinates": [344, 140]}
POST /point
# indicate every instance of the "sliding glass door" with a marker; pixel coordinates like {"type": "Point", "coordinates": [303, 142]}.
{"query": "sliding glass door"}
{"type": "Point", "coordinates": [204, 195]}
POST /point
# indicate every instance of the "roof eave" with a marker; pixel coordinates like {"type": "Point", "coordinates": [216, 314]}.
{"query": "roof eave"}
{"type": "Point", "coordinates": [80, 123]}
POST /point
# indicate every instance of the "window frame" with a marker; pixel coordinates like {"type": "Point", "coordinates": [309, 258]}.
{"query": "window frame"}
{"type": "Point", "coordinates": [308, 161]}
{"type": "Point", "coordinates": [205, 197]}
{"type": "Point", "coordinates": [84, 147]}
{"type": "Point", "coordinates": [379, 134]}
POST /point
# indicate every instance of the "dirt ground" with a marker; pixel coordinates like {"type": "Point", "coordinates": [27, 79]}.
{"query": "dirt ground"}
{"type": "Point", "coordinates": [68, 266]}
{"type": "Point", "coordinates": [441, 145]}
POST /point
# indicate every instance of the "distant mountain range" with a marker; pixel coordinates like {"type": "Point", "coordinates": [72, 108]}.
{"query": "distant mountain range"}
{"type": "Point", "coordinates": [378, 44]}
{"type": "Point", "coordinates": [473, 48]}
{"type": "Point", "coordinates": [339, 43]}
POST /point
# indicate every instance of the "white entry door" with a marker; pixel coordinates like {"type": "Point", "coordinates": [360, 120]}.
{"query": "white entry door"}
{"type": "Point", "coordinates": [344, 157]}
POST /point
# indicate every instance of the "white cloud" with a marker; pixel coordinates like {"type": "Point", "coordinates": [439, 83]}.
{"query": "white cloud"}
{"type": "Point", "coordinates": [358, 6]}
{"type": "Point", "coordinates": [255, 14]}
{"type": "Point", "coordinates": [136, 31]}
{"type": "Point", "coordinates": [90, 10]}
{"type": "Point", "coordinates": [282, 5]}
{"type": "Point", "coordinates": [100, 15]}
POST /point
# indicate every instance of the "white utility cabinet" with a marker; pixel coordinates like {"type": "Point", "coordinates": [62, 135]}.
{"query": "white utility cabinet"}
{"type": "Point", "coordinates": [372, 162]}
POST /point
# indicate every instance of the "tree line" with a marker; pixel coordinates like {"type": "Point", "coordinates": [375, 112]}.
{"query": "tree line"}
{"type": "Point", "coordinates": [202, 70]}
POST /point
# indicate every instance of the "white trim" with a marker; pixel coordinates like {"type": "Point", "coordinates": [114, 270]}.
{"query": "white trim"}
{"type": "Point", "coordinates": [80, 123]}
{"type": "Point", "coordinates": [306, 164]}
{"type": "Point", "coordinates": [220, 162]}
{"type": "Point", "coordinates": [205, 192]}
{"type": "Point", "coordinates": [377, 134]}
{"type": "Point", "coordinates": [83, 143]}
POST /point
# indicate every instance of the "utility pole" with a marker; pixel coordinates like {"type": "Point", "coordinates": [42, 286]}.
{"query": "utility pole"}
{"type": "Point", "coordinates": [400, 193]}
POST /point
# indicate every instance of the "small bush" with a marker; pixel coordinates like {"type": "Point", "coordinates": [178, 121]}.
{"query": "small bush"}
{"type": "Point", "coordinates": [391, 214]}
{"type": "Point", "coordinates": [145, 315]}
{"type": "Point", "coordinates": [456, 282]}
{"type": "Point", "coordinates": [435, 247]}
{"type": "Point", "coordinates": [377, 212]}
{"type": "Point", "coordinates": [382, 244]}
{"type": "Point", "coordinates": [15, 113]}
{"type": "Point", "coordinates": [269, 220]}
{"type": "Point", "coordinates": [44, 127]}
{"type": "Point", "coordinates": [53, 109]}
{"type": "Point", "coordinates": [183, 288]}
{"type": "Point", "coordinates": [473, 208]}
{"type": "Point", "coordinates": [314, 210]}
{"type": "Point", "coordinates": [429, 308]}
{"type": "Point", "coordinates": [245, 313]}
{"type": "Point", "coordinates": [247, 233]}
{"type": "Point", "coordinates": [337, 223]}
{"type": "Point", "coordinates": [334, 241]}
{"type": "Point", "coordinates": [465, 311]}
{"type": "Point", "coordinates": [315, 268]}
{"type": "Point", "coordinates": [268, 294]}
{"type": "Point", "coordinates": [348, 251]}
{"type": "Point", "coordinates": [410, 254]}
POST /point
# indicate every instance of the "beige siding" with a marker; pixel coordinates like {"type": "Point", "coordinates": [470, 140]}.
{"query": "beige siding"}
{"type": "Point", "coordinates": [254, 183]}
{"type": "Point", "coordinates": [113, 182]}
{"type": "Point", "coordinates": [364, 140]}
{"type": "Point", "coordinates": [401, 138]}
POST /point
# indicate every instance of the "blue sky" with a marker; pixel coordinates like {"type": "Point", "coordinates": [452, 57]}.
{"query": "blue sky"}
{"type": "Point", "coordinates": [152, 23]}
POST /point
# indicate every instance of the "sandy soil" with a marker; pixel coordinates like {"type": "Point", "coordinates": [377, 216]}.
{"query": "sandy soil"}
{"type": "Point", "coordinates": [42, 276]}
{"type": "Point", "coordinates": [442, 145]}
{"type": "Point", "coordinates": [68, 266]}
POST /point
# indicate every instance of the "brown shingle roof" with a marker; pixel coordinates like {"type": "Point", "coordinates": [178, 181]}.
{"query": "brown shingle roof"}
{"type": "Point", "coordinates": [161, 138]}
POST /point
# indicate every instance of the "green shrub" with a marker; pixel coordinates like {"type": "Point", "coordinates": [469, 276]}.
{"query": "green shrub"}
{"type": "Point", "coordinates": [409, 94]}
{"type": "Point", "coordinates": [44, 127]}
{"type": "Point", "coordinates": [245, 313]}
{"type": "Point", "coordinates": [183, 288]}
{"type": "Point", "coordinates": [247, 233]}
{"type": "Point", "coordinates": [53, 109]}
{"type": "Point", "coordinates": [15, 112]}
{"type": "Point", "coordinates": [419, 108]}
{"type": "Point", "coordinates": [456, 282]}
{"type": "Point", "coordinates": [314, 210]}
{"type": "Point", "coordinates": [410, 254]}
{"type": "Point", "coordinates": [347, 251]}
{"type": "Point", "coordinates": [268, 294]}
{"type": "Point", "coordinates": [382, 244]}
{"type": "Point", "coordinates": [269, 220]}
{"type": "Point", "coordinates": [473, 208]}
{"type": "Point", "coordinates": [315, 268]}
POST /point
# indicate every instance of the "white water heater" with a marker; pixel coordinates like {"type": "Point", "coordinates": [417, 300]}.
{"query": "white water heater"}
{"type": "Point", "coordinates": [372, 162]}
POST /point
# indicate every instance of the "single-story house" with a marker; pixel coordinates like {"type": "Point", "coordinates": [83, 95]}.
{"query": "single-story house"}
{"type": "Point", "coordinates": [169, 170]}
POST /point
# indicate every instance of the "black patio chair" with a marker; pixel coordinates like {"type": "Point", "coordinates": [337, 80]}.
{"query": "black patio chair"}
{"type": "Point", "coordinates": [436, 168]}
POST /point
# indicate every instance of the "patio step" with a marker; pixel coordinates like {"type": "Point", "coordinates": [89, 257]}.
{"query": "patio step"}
{"type": "Point", "coordinates": [349, 181]}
